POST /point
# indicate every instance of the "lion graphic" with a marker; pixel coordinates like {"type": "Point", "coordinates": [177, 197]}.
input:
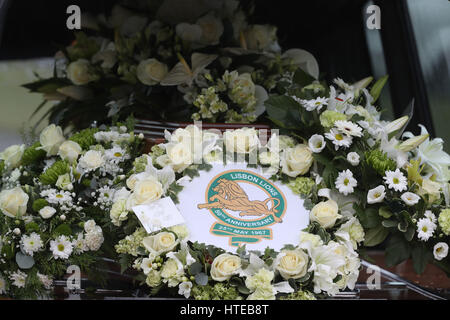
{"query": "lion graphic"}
{"type": "Point", "coordinates": [232, 197]}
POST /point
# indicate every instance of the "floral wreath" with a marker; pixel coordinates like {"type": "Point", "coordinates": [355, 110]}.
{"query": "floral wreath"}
{"type": "Point", "coordinates": [323, 262]}
{"type": "Point", "coordinates": [53, 196]}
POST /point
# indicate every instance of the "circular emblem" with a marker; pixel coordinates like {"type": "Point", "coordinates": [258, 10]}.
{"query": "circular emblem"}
{"type": "Point", "coordinates": [245, 205]}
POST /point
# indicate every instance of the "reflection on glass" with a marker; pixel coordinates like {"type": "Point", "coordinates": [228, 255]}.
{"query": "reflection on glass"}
{"type": "Point", "coordinates": [431, 26]}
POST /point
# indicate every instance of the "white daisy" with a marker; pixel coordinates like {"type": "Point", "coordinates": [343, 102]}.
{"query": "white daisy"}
{"type": "Point", "coordinates": [317, 143]}
{"type": "Point", "coordinates": [61, 247]}
{"type": "Point", "coordinates": [345, 182]}
{"type": "Point", "coordinates": [79, 245]}
{"type": "Point", "coordinates": [425, 229]}
{"type": "Point", "coordinates": [116, 154]}
{"type": "Point", "coordinates": [184, 289]}
{"type": "Point", "coordinates": [315, 104]}
{"type": "Point", "coordinates": [353, 158]}
{"type": "Point", "coordinates": [428, 214]}
{"type": "Point", "coordinates": [395, 180]}
{"type": "Point", "coordinates": [376, 195]}
{"type": "Point", "coordinates": [410, 198]}
{"type": "Point", "coordinates": [349, 128]}
{"type": "Point", "coordinates": [18, 278]}
{"type": "Point", "coordinates": [440, 250]}
{"type": "Point", "coordinates": [31, 243]}
{"type": "Point", "coordinates": [338, 138]}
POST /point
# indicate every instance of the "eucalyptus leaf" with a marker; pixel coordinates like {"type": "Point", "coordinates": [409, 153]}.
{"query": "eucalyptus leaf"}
{"type": "Point", "coordinates": [195, 268]}
{"type": "Point", "coordinates": [24, 261]}
{"type": "Point", "coordinates": [201, 279]}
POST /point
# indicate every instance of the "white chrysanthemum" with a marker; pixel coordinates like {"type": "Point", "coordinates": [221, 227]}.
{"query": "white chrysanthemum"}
{"type": "Point", "coordinates": [46, 281]}
{"type": "Point", "coordinates": [18, 279]}
{"type": "Point", "coordinates": [410, 198]}
{"type": "Point", "coordinates": [353, 158]}
{"type": "Point", "coordinates": [315, 104]}
{"type": "Point", "coordinates": [316, 143]}
{"type": "Point", "coordinates": [338, 138]}
{"type": "Point", "coordinates": [61, 247]}
{"type": "Point", "coordinates": [349, 128]}
{"type": "Point", "coordinates": [184, 289]}
{"type": "Point", "coordinates": [55, 197]}
{"type": "Point", "coordinates": [428, 214]}
{"type": "Point", "coordinates": [345, 182]}
{"type": "Point", "coordinates": [440, 250]}
{"type": "Point", "coordinates": [425, 229]}
{"type": "Point", "coordinates": [376, 195]}
{"type": "Point", "coordinates": [94, 239]}
{"type": "Point", "coordinates": [396, 180]}
{"type": "Point", "coordinates": [31, 243]}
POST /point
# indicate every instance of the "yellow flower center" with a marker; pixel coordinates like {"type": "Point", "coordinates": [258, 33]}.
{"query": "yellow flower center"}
{"type": "Point", "coordinates": [346, 181]}
{"type": "Point", "coordinates": [395, 180]}
{"type": "Point", "coordinates": [59, 195]}
{"type": "Point", "coordinates": [339, 137]}
{"type": "Point", "coordinates": [117, 154]}
{"type": "Point", "coordinates": [377, 195]}
{"type": "Point", "coordinates": [60, 247]}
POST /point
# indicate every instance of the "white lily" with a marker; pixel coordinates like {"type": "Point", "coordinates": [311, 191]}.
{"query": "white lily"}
{"type": "Point", "coordinates": [431, 153]}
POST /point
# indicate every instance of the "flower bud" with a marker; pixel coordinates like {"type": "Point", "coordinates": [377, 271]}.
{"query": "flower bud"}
{"type": "Point", "coordinates": [413, 142]}
{"type": "Point", "coordinates": [396, 124]}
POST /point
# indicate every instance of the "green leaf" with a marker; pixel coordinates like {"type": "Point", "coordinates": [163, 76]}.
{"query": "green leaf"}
{"type": "Point", "coordinates": [284, 111]}
{"type": "Point", "coordinates": [302, 78]}
{"type": "Point", "coordinates": [377, 87]}
{"type": "Point", "coordinates": [195, 268]}
{"type": "Point", "coordinates": [63, 229]}
{"type": "Point", "coordinates": [397, 251]}
{"type": "Point", "coordinates": [389, 223]}
{"type": "Point", "coordinates": [409, 234]}
{"type": "Point", "coordinates": [385, 212]}
{"type": "Point", "coordinates": [420, 256]}
{"type": "Point", "coordinates": [369, 218]}
{"type": "Point", "coordinates": [375, 236]}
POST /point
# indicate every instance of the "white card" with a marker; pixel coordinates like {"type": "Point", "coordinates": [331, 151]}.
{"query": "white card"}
{"type": "Point", "coordinates": [159, 214]}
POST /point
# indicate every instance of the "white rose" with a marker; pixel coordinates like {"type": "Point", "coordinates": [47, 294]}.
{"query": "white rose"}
{"type": "Point", "coordinates": [212, 29]}
{"type": "Point", "coordinates": [92, 160]}
{"type": "Point", "coordinates": [292, 263]}
{"type": "Point", "coordinates": [242, 141]}
{"type": "Point", "coordinates": [225, 266]}
{"type": "Point", "coordinates": [47, 212]}
{"type": "Point", "coordinates": [325, 213]}
{"type": "Point", "coordinates": [151, 71]}
{"type": "Point", "coordinates": [80, 72]}
{"type": "Point", "coordinates": [160, 243]}
{"type": "Point", "coordinates": [179, 155]}
{"type": "Point", "coordinates": [189, 32]}
{"type": "Point", "coordinates": [260, 37]}
{"type": "Point", "coordinates": [268, 157]}
{"type": "Point", "coordinates": [296, 161]}
{"type": "Point", "coordinates": [12, 155]}
{"type": "Point", "coordinates": [13, 202]}
{"type": "Point", "coordinates": [69, 150]}
{"type": "Point", "coordinates": [51, 138]}
{"type": "Point", "coordinates": [145, 192]}
{"type": "Point", "coordinates": [94, 238]}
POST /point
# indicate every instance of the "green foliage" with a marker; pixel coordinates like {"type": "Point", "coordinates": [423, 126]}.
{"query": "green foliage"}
{"type": "Point", "coordinates": [220, 291]}
{"type": "Point", "coordinates": [85, 138]}
{"type": "Point", "coordinates": [38, 204]}
{"type": "Point", "coordinates": [377, 87]}
{"type": "Point", "coordinates": [375, 236]}
{"type": "Point", "coordinates": [379, 161]}
{"type": "Point", "coordinates": [50, 176]}
{"type": "Point", "coordinates": [32, 154]}
{"type": "Point", "coordinates": [84, 47]}
{"type": "Point", "coordinates": [397, 250]}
